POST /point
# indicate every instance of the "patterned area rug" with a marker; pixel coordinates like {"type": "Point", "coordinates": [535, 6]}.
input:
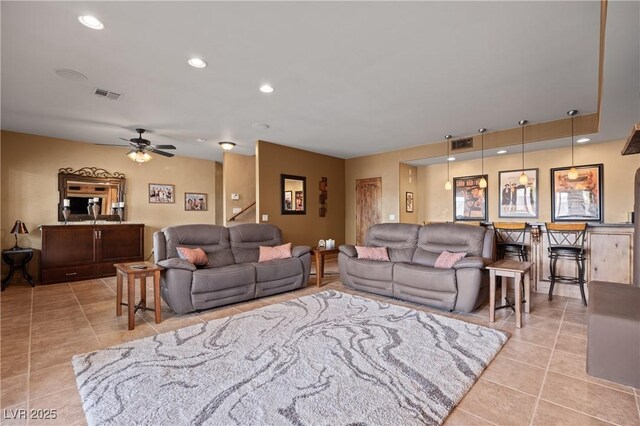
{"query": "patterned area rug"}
{"type": "Point", "coordinates": [329, 358]}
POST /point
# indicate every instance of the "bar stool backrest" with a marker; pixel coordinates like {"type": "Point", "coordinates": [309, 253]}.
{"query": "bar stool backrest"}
{"type": "Point", "coordinates": [510, 232]}
{"type": "Point", "coordinates": [566, 234]}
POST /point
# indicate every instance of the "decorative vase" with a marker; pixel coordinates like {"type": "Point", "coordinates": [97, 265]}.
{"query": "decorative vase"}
{"type": "Point", "coordinates": [66, 212]}
{"type": "Point", "coordinates": [89, 210]}
{"type": "Point", "coordinates": [95, 207]}
{"type": "Point", "coordinates": [121, 213]}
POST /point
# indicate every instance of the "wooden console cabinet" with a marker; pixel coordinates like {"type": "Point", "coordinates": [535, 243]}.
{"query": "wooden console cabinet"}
{"type": "Point", "coordinates": [81, 252]}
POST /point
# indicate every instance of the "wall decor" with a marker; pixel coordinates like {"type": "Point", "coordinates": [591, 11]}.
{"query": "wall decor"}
{"type": "Point", "coordinates": [296, 186]}
{"type": "Point", "coordinates": [299, 201]}
{"type": "Point", "coordinates": [323, 196]}
{"type": "Point", "coordinates": [77, 188]}
{"type": "Point", "coordinates": [469, 200]}
{"type": "Point", "coordinates": [580, 198]}
{"type": "Point", "coordinates": [409, 202]}
{"type": "Point", "coordinates": [518, 200]}
{"type": "Point", "coordinates": [195, 201]}
{"type": "Point", "coordinates": [161, 193]}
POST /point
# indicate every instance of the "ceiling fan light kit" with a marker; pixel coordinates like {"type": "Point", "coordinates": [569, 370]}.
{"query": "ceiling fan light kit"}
{"type": "Point", "coordinates": [142, 147]}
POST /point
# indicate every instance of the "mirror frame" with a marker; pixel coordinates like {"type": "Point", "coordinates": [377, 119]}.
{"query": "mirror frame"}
{"type": "Point", "coordinates": [304, 194]}
{"type": "Point", "coordinates": [89, 174]}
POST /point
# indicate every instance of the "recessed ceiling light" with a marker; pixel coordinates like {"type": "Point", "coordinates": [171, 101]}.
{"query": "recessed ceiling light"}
{"type": "Point", "coordinates": [197, 63]}
{"type": "Point", "coordinates": [201, 140]}
{"type": "Point", "coordinates": [260, 126]}
{"type": "Point", "coordinates": [451, 159]}
{"type": "Point", "coordinates": [91, 22]}
{"type": "Point", "coordinates": [502, 151]}
{"type": "Point", "coordinates": [583, 140]}
{"type": "Point", "coordinates": [227, 146]}
{"type": "Point", "coordinates": [70, 75]}
{"type": "Point", "coordinates": [265, 88]}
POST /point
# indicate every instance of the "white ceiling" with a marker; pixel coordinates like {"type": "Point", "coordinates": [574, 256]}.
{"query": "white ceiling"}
{"type": "Point", "coordinates": [351, 78]}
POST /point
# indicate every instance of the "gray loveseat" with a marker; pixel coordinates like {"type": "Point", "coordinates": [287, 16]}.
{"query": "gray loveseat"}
{"type": "Point", "coordinates": [233, 274]}
{"type": "Point", "coordinates": [411, 275]}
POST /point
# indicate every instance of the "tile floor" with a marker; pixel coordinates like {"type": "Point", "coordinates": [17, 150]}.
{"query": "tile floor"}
{"type": "Point", "coordinates": [538, 378]}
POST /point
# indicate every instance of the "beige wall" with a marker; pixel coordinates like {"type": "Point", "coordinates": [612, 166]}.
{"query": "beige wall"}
{"type": "Point", "coordinates": [436, 204]}
{"type": "Point", "coordinates": [239, 177]}
{"type": "Point", "coordinates": [219, 199]}
{"type": "Point", "coordinates": [30, 166]}
{"type": "Point", "coordinates": [408, 183]}
{"type": "Point", "coordinates": [274, 160]}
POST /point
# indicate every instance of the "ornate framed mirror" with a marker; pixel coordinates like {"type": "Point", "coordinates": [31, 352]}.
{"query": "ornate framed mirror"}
{"type": "Point", "coordinates": [293, 194]}
{"type": "Point", "coordinates": [80, 186]}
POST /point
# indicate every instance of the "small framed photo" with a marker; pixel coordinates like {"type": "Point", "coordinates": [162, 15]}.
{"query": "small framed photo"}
{"type": "Point", "coordinates": [195, 201]}
{"type": "Point", "coordinates": [161, 193]}
{"type": "Point", "coordinates": [577, 198]}
{"type": "Point", "coordinates": [288, 200]}
{"type": "Point", "coordinates": [518, 200]}
{"type": "Point", "coordinates": [409, 202]}
{"type": "Point", "coordinates": [469, 200]}
{"type": "Point", "coordinates": [299, 201]}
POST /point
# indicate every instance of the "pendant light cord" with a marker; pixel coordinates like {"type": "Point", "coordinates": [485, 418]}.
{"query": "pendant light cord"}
{"type": "Point", "coordinates": [482, 148]}
{"type": "Point", "coordinates": [522, 147]}
{"type": "Point", "coordinates": [448, 142]}
{"type": "Point", "coordinates": [572, 161]}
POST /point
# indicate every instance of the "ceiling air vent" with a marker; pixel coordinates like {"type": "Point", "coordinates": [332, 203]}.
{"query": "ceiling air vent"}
{"type": "Point", "coordinates": [103, 93]}
{"type": "Point", "coordinates": [462, 144]}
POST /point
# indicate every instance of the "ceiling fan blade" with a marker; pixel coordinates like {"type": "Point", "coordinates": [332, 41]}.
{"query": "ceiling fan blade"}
{"type": "Point", "coordinates": [164, 154]}
{"type": "Point", "coordinates": [127, 140]}
{"type": "Point", "coordinates": [163, 147]}
{"type": "Point", "coordinates": [111, 144]}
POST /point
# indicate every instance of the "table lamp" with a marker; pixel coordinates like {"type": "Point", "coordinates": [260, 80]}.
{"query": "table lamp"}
{"type": "Point", "coordinates": [18, 228]}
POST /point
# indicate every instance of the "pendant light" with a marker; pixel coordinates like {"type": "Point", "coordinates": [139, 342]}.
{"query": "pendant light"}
{"type": "Point", "coordinates": [523, 177]}
{"type": "Point", "coordinates": [447, 184]}
{"type": "Point", "coordinates": [573, 173]}
{"type": "Point", "coordinates": [483, 181]}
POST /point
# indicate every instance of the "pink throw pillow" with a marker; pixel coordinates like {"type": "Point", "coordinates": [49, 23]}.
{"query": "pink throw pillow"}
{"type": "Point", "coordinates": [197, 256]}
{"type": "Point", "coordinates": [274, 253]}
{"type": "Point", "coordinates": [447, 259]}
{"type": "Point", "coordinates": [373, 253]}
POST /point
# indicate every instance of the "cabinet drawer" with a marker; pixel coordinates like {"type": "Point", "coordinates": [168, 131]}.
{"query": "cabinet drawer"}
{"type": "Point", "coordinates": [67, 273]}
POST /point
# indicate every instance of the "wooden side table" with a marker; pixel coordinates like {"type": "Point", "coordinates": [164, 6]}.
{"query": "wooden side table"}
{"type": "Point", "coordinates": [17, 258]}
{"type": "Point", "coordinates": [510, 269]}
{"type": "Point", "coordinates": [140, 270]}
{"type": "Point", "coordinates": [319, 254]}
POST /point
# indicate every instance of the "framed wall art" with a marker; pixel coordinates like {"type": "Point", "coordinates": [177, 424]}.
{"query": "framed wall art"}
{"type": "Point", "coordinates": [161, 193]}
{"type": "Point", "coordinates": [579, 199]}
{"type": "Point", "coordinates": [469, 200]}
{"type": "Point", "coordinates": [409, 202]}
{"type": "Point", "coordinates": [195, 201]}
{"type": "Point", "coordinates": [518, 200]}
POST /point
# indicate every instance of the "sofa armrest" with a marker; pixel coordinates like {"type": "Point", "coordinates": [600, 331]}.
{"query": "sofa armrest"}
{"type": "Point", "coordinates": [472, 262]}
{"type": "Point", "coordinates": [176, 263]}
{"type": "Point", "coordinates": [298, 251]}
{"type": "Point", "coordinates": [349, 250]}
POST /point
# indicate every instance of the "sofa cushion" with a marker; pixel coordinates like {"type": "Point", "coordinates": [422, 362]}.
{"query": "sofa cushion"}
{"type": "Point", "coordinates": [379, 254]}
{"type": "Point", "coordinates": [453, 237]}
{"type": "Point", "coordinates": [424, 257]}
{"type": "Point", "coordinates": [267, 253]}
{"type": "Point", "coordinates": [392, 235]}
{"type": "Point", "coordinates": [434, 279]}
{"type": "Point", "coordinates": [277, 269]}
{"type": "Point", "coordinates": [446, 260]}
{"type": "Point", "coordinates": [197, 256]}
{"type": "Point", "coordinates": [246, 238]}
{"type": "Point", "coordinates": [215, 279]}
{"type": "Point", "coordinates": [213, 239]}
{"type": "Point", "coordinates": [370, 269]}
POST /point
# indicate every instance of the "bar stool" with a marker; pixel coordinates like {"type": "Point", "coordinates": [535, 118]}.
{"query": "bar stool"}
{"type": "Point", "coordinates": [510, 240]}
{"type": "Point", "coordinates": [566, 241]}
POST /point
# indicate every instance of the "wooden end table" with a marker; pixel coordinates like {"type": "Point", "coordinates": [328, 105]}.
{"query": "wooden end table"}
{"type": "Point", "coordinates": [17, 258]}
{"type": "Point", "coordinates": [140, 270]}
{"type": "Point", "coordinates": [319, 254]}
{"type": "Point", "coordinates": [510, 269]}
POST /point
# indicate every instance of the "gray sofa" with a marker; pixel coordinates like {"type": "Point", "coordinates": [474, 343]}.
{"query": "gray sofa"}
{"type": "Point", "coordinates": [411, 275]}
{"type": "Point", "coordinates": [233, 274]}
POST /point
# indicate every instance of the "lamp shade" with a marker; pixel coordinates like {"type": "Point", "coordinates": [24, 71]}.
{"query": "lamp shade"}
{"type": "Point", "coordinates": [19, 228]}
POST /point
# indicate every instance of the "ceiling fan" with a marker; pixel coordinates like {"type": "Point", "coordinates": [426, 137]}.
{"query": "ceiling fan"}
{"type": "Point", "coordinates": [142, 147]}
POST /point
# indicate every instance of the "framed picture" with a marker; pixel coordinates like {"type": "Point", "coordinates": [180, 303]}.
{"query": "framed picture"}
{"type": "Point", "coordinates": [299, 201]}
{"type": "Point", "coordinates": [469, 200]}
{"type": "Point", "coordinates": [195, 201]}
{"type": "Point", "coordinates": [161, 193]}
{"type": "Point", "coordinates": [579, 199]}
{"type": "Point", "coordinates": [516, 199]}
{"type": "Point", "coordinates": [409, 202]}
{"type": "Point", "coordinates": [288, 200]}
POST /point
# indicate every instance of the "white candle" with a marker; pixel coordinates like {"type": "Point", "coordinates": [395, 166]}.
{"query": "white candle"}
{"type": "Point", "coordinates": [66, 202]}
{"type": "Point", "coordinates": [96, 199]}
{"type": "Point", "coordinates": [121, 204]}
{"type": "Point", "coordinates": [114, 205]}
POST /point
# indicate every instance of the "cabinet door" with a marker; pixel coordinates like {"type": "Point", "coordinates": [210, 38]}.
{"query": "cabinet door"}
{"type": "Point", "coordinates": [610, 257]}
{"type": "Point", "coordinates": [119, 243]}
{"type": "Point", "coordinates": [68, 245]}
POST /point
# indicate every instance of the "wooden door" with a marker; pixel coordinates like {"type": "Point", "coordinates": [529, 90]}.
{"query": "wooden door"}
{"type": "Point", "coordinates": [119, 243]}
{"type": "Point", "coordinates": [368, 206]}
